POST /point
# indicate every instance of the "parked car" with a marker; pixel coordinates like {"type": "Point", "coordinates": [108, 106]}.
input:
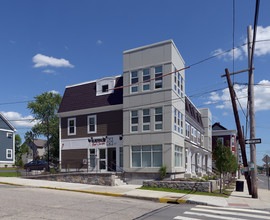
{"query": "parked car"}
{"type": "Point", "coordinates": [36, 165]}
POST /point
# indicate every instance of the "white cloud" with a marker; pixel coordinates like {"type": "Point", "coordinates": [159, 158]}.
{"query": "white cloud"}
{"type": "Point", "coordinates": [261, 91]}
{"type": "Point", "coordinates": [49, 71]}
{"type": "Point", "coordinates": [17, 120]}
{"type": "Point", "coordinates": [99, 42]}
{"type": "Point", "coordinates": [54, 92]}
{"type": "Point", "coordinates": [43, 61]}
{"type": "Point", "coordinates": [262, 46]}
{"type": "Point", "coordinates": [227, 56]}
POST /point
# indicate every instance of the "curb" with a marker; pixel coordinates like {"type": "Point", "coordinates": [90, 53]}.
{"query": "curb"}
{"type": "Point", "coordinates": [153, 199]}
{"type": "Point", "coordinates": [172, 200]}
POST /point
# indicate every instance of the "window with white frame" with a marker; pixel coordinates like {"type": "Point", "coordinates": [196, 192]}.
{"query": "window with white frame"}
{"type": "Point", "coordinates": [146, 79]}
{"type": "Point", "coordinates": [182, 86]}
{"type": "Point", "coordinates": [175, 79]}
{"type": "Point", "coordinates": [195, 135]}
{"type": "Point", "coordinates": [8, 153]}
{"type": "Point", "coordinates": [178, 121]}
{"type": "Point", "coordinates": [134, 80]}
{"type": "Point", "coordinates": [121, 163]}
{"type": "Point", "coordinates": [187, 130]}
{"type": "Point", "coordinates": [202, 140]}
{"type": "Point", "coordinates": [221, 139]}
{"type": "Point", "coordinates": [178, 153]}
{"type": "Point", "coordinates": [199, 137]}
{"type": "Point", "coordinates": [192, 133]}
{"type": "Point", "coordinates": [146, 120]}
{"type": "Point", "coordinates": [92, 124]}
{"type": "Point", "coordinates": [71, 126]}
{"type": "Point", "coordinates": [158, 81]}
{"type": "Point", "coordinates": [158, 118]}
{"type": "Point", "coordinates": [146, 156]}
{"type": "Point", "coordinates": [181, 123]}
{"type": "Point", "coordinates": [134, 121]}
{"type": "Point", "coordinates": [178, 83]}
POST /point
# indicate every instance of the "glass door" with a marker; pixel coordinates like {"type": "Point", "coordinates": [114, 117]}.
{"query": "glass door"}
{"type": "Point", "coordinates": [92, 159]}
{"type": "Point", "coordinates": [102, 160]}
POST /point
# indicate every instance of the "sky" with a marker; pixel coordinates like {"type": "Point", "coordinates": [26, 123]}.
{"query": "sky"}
{"type": "Point", "coordinates": [47, 45]}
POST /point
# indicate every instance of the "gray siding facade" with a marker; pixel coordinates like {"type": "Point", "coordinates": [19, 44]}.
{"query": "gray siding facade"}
{"type": "Point", "coordinates": [7, 142]}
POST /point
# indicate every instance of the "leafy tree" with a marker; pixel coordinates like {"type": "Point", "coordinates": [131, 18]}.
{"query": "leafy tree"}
{"type": "Point", "coordinates": [44, 108]}
{"type": "Point", "coordinates": [225, 161]}
{"type": "Point", "coordinates": [20, 150]}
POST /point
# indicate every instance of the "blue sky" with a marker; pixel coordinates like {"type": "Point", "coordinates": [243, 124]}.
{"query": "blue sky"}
{"type": "Point", "coordinates": [46, 45]}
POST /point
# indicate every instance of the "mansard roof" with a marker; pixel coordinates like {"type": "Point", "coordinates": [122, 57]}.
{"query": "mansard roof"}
{"type": "Point", "coordinates": [193, 112]}
{"type": "Point", "coordinates": [83, 96]}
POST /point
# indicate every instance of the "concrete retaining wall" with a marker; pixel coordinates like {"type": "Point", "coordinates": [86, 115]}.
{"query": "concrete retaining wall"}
{"type": "Point", "coordinates": [105, 179]}
{"type": "Point", "coordinates": [183, 185]}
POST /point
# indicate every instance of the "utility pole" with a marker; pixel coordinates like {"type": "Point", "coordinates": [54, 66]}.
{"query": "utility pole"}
{"type": "Point", "coordinates": [239, 131]}
{"type": "Point", "coordinates": [253, 172]}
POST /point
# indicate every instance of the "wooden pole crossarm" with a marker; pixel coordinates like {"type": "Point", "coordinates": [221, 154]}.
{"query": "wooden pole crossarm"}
{"type": "Point", "coordinates": [241, 71]}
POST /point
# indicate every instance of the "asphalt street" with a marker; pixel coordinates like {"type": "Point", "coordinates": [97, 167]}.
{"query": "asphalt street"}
{"type": "Point", "coordinates": [18, 202]}
{"type": "Point", "coordinates": [263, 181]}
{"type": "Point", "coordinates": [192, 212]}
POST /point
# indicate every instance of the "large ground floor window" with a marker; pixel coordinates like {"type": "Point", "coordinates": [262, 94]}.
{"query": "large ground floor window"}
{"type": "Point", "coordinates": [178, 153]}
{"type": "Point", "coordinates": [146, 156]}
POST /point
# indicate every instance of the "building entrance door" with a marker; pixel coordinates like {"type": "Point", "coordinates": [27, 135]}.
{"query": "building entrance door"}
{"type": "Point", "coordinates": [111, 159]}
{"type": "Point", "coordinates": [102, 160]}
{"type": "Point", "coordinates": [92, 163]}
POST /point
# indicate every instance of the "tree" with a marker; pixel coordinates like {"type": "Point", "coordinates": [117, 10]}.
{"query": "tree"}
{"type": "Point", "coordinates": [20, 150]}
{"type": "Point", "coordinates": [225, 161]}
{"type": "Point", "coordinates": [44, 108]}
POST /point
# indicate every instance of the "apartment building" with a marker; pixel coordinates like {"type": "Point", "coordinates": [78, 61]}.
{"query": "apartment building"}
{"type": "Point", "coordinates": [198, 147]}
{"type": "Point", "coordinates": [136, 121]}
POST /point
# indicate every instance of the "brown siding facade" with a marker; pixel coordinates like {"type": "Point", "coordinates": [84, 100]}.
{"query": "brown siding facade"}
{"type": "Point", "coordinates": [73, 159]}
{"type": "Point", "coordinates": [108, 123]}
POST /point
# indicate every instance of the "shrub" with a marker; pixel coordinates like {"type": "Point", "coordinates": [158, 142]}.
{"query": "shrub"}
{"type": "Point", "coordinates": [6, 165]}
{"type": "Point", "coordinates": [162, 172]}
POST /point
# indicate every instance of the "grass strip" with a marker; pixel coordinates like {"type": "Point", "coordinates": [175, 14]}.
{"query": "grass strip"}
{"type": "Point", "coordinates": [225, 193]}
{"type": "Point", "coordinates": [13, 174]}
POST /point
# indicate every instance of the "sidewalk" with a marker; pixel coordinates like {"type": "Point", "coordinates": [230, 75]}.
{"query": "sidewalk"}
{"type": "Point", "coordinates": [237, 199]}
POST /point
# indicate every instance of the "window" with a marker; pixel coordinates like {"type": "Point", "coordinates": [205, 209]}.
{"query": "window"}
{"type": "Point", "coordinates": [146, 120]}
{"type": "Point", "coordinates": [178, 83]}
{"type": "Point", "coordinates": [182, 87]}
{"type": "Point", "coordinates": [178, 121]}
{"type": "Point", "coordinates": [221, 139]}
{"type": "Point", "coordinates": [71, 126]}
{"type": "Point", "coordinates": [192, 133]}
{"type": "Point", "coordinates": [134, 121]}
{"type": "Point", "coordinates": [158, 73]}
{"type": "Point", "coordinates": [121, 156]}
{"type": "Point", "coordinates": [178, 153]}
{"type": "Point", "coordinates": [9, 135]}
{"type": "Point", "coordinates": [158, 118]}
{"type": "Point", "coordinates": [92, 124]}
{"type": "Point", "coordinates": [147, 156]}
{"type": "Point", "coordinates": [105, 88]}
{"type": "Point", "coordinates": [8, 153]}
{"type": "Point", "coordinates": [134, 80]}
{"type": "Point", "coordinates": [202, 140]}
{"type": "Point", "coordinates": [175, 79]}
{"type": "Point", "coordinates": [199, 137]}
{"type": "Point", "coordinates": [187, 130]}
{"type": "Point", "coordinates": [146, 79]}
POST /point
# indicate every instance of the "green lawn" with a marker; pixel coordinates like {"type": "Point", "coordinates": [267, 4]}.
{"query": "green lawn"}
{"type": "Point", "coordinates": [10, 174]}
{"type": "Point", "coordinates": [10, 168]}
{"type": "Point", "coordinates": [225, 193]}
